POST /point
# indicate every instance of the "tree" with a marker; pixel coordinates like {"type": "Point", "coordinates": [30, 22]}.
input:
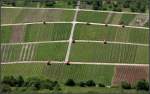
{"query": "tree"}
{"type": "Point", "coordinates": [101, 85]}
{"type": "Point", "coordinates": [125, 85]}
{"type": "Point", "coordinates": [82, 84]}
{"type": "Point", "coordinates": [9, 80]}
{"type": "Point", "coordinates": [90, 83]}
{"type": "Point", "coordinates": [142, 85]}
{"type": "Point", "coordinates": [70, 82]}
{"type": "Point", "coordinates": [97, 4]}
{"type": "Point", "coordinates": [126, 3]}
{"type": "Point", "coordinates": [50, 3]}
{"type": "Point", "coordinates": [133, 7]}
{"type": "Point", "coordinates": [20, 81]}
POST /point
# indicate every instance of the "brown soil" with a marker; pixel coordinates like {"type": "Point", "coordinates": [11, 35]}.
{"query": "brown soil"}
{"type": "Point", "coordinates": [17, 33]}
{"type": "Point", "coordinates": [130, 74]}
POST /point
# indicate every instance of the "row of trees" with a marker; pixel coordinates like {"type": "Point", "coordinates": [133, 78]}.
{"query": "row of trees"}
{"type": "Point", "coordinates": [115, 5]}
{"type": "Point", "coordinates": [33, 83]}
{"type": "Point", "coordinates": [140, 85]}
{"type": "Point", "coordinates": [89, 83]}
{"type": "Point", "coordinates": [118, 5]}
{"type": "Point", "coordinates": [36, 83]}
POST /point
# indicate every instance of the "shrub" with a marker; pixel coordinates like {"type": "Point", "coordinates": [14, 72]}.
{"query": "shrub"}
{"type": "Point", "coordinates": [9, 80]}
{"type": "Point", "coordinates": [101, 85]}
{"type": "Point", "coordinates": [50, 3]}
{"type": "Point", "coordinates": [82, 84]}
{"type": "Point", "coordinates": [142, 85]}
{"type": "Point", "coordinates": [90, 83]}
{"type": "Point", "coordinates": [20, 81]}
{"type": "Point", "coordinates": [70, 82]}
{"type": "Point", "coordinates": [125, 85]}
{"type": "Point", "coordinates": [5, 88]}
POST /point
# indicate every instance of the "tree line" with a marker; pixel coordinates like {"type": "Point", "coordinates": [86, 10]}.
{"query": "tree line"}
{"type": "Point", "coordinates": [36, 83]}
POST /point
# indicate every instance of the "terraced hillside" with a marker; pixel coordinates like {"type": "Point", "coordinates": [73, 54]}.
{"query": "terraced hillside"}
{"type": "Point", "coordinates": [95, 43]}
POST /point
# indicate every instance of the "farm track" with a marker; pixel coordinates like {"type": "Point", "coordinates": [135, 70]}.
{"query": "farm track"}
{"type": "Point", "coordinates": [77, 41]}
{"type": "Point", "coordinates": [75, 23]}
{"type": "Point", "coordinates": [82, 63]}
{"type": "Point", "coordinates": [72, 32]}
{"type": "Point", "coordinates": [76, 9]}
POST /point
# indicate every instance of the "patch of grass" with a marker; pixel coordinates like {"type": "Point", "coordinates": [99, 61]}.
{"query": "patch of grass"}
{"type": "Point", "coordinates": [139, 35]}
{"type": "Point", "coordinates": [8, 16]}
{"type": "Point", "coordinates": [127, 18]}
{"type": "Point", "coordinates": [51, 51]}
{"type": "Point", "coordinates": [62, 72]}
{"type": "Point", "coordinates": [35, 15]}
{"type": "Point", "coordinates": [142, 55]}
{"type": "Point", "coordinates": [6, 32]}
{"type": "Point", "coordinates": [97, 17]}
{"type": "Point", "coordinates": [94, 32]}
{"type": "Point", "coordinates": [108, 53]}
{"type": "Point", "coordinates": [26, 70]}
{"type": "Point", "coordinates": [45, 32]}
{"type": "Point", "coordinates": [110, 33]}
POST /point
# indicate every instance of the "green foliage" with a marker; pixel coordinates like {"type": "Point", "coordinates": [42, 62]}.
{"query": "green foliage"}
{"type": "Point", "coordinates": [97, 4]}
{"type": "Point", "coordinates": [125, 85]}
{"type": "Point", "coordinates": [70, 82]}
{"type": "Point", "coordinates": [142, 85]}
{"type": "Point", "coordinates": [90, 83]}
{"type": "Point", "coordinates": [9, 80]}
{"type": "Point", "coordinates": [82, 84]}
{"type": "Point", "coordinates": [20, 81]}
{"type": "Point", "coordinates": [5, 88]}
{"type": "Point", "coordinates": [101, 85]}
{"type": "Point", "coordinates": [50, 3]}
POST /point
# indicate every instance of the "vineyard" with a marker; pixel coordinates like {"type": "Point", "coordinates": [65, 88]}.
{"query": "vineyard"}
{"type": "Point", "coordinates": [99, 45]}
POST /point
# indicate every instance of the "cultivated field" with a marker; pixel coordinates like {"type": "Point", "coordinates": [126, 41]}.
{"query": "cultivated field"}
{"type": "Point", "coordinates": [62, 72]}
{"type": "Point", "coordinates": [97, 44]}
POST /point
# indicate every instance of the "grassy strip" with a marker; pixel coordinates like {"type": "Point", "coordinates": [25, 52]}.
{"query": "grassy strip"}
{"type": "Point", "coordinates": [6, 32]}
{"type": "Point", "coordinates": [46, 32]}
{"type": "Point", "coordinates": [35, 15]}
{"type": "Point", "coordinates": [54, 51]}
{"type": "Point", "coordinates": [61, 72]}
{"type": "Point", "coordinates": [8, 16]}
{"type": "Point", "coordinates": [127, 18]}
{"type": "Point", "coordinates": [108, 53]}
{"type": "Point", "coordinates": [93, 32]}
{"type": "Point", "coordinates": [97, 17]}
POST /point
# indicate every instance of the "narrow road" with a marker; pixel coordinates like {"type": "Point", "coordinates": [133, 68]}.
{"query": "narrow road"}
{"type": "Point", "coordinates": [79, 41]}
{"type": "Point", "coordinates": [76, 9]}
{"type": "Point", "coordinates": [75, 22]}
{"type": "Point", "coordinates": [82, 63]}
{"type": "Point", "coordinates": [72, 32]}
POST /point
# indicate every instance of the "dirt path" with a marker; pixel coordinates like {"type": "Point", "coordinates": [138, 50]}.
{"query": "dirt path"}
{"type": "Point", "coordinates": [75, 9]}
{"type": "Point", "coordinates": [115, 25]}
{"type": "Point", "coordinates": [72, 32]}
{"type": "Point", "coordinates": [17, 33]}
{"type": "Point", "coordinates": [82, 63]}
